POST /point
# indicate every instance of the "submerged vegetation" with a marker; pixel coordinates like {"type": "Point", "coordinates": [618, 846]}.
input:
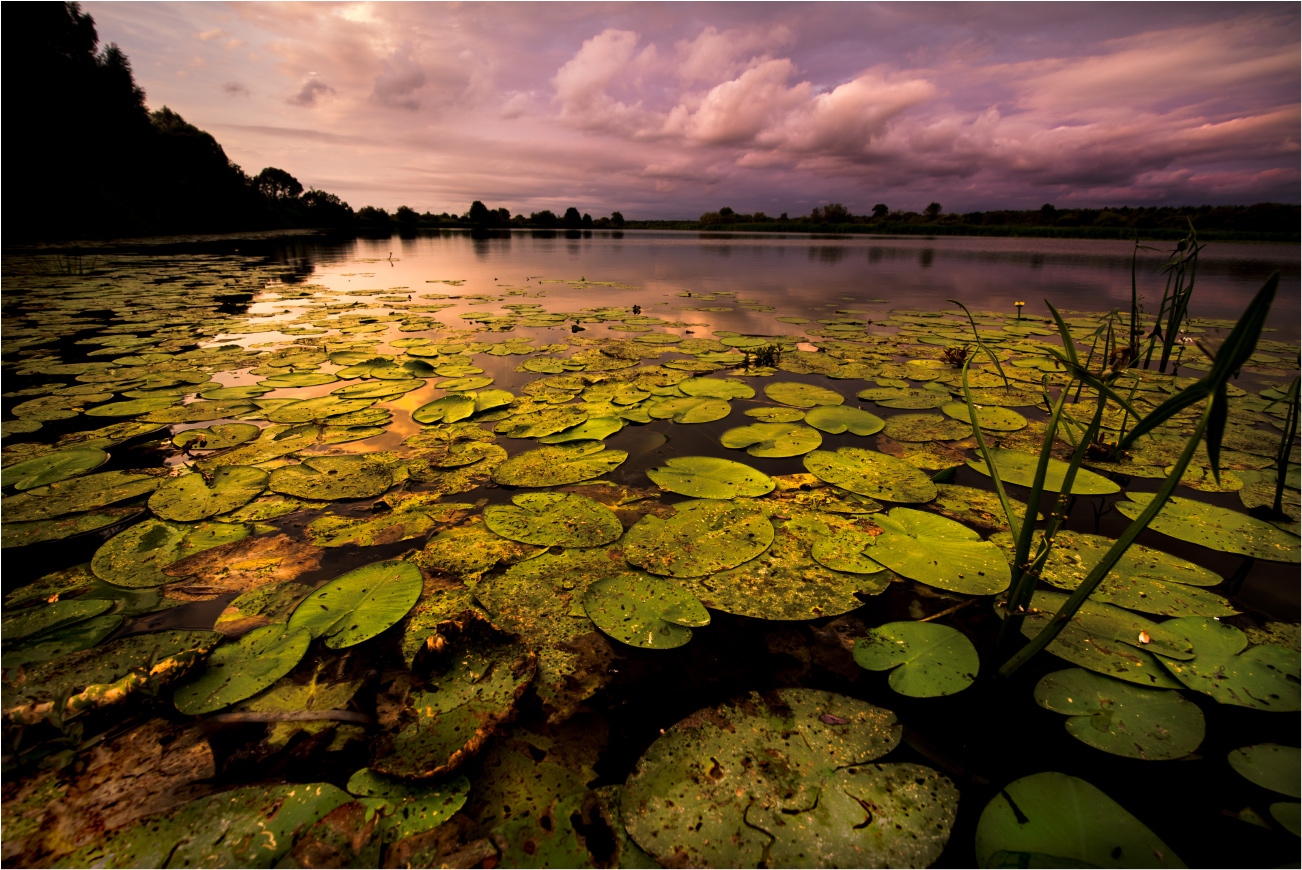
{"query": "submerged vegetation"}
{"type": "Point", "coordinates": [383, 576]}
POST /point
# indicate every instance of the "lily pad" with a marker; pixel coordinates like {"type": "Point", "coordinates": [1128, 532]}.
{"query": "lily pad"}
{"type": "Point", "coordinates": [559, 465]}
{"type": "Point", "coordinates": [241, 669]}
{"type": "Point", "coordinates": [333, 478]}
{"type": "Point", "coordinates": [463, 384]}
{"type": "Point", "coordinates": [708, 477]}
{"type": "Point", "coordinates": [869, 473]}
{"type": "Point", "coordinates": [717, 388]}
{"type": "Point", "coordinates": [906, 399]}
{"type": "Point", "coordinates": [217, 437]}
{"type": "Point", "coordinates": [1262, 677]}
{"type": "Point", "coordinates": [1122, 718]}
{"type": "Point", "coordinates": [926, 659]}
{"type": "Point", "coordinates": [37, 531]}
{"type": "Point", "coordinates": [408, 809]}
{"type": "Point", "coordinates": [316, 409]}
{"type": "Point", "coordinates": [448, 409]}
{"type": "Point", "coordinates": [1019, 468]}
{"type": "Point", "coordinates": [978, 507]}
{"type": "Point", "coordinates": [799, 395]}
{"type": "Point", "coordinates": [773, 439]}
{"type": "Point", "coordinates": [592, 429]}
{"type": "Point", "coordinates": [77, 495]}
{"type": "Point", "coordinates": [848, 551]}
{"type": "Point", "coordinates": [697, 798]}
{"type": "Point", "coordinates": [1219, 528]}
{"type": "Point", "coordinates": [775, 414]}
{"type": "Point", "coordinates": [644, 611]}
{"type": "Point", "coordinates": [835, 419]}
{"type": "Point", "coordinates": [190, 497]}
{"type": "Point", "coordinates": [691, 409]}
{"type": "Point", "coordinates": [44, 617]}
{"type": "Point", "coordinates": [1270, 766]}
{"type": "Point", "coordinates": [702, 537]}
{"type": "Point", "coordinates": [940, 552]}
{"type": "Point", "coordinates": [469, 550]}
{"type": "Point", "coordinates": [991, 419]}
{"type": "Point", "coordinates": [136, 557]}
{"type": "Point", "coordinates": [52, 467]}
{"type": "Point", "coordinates": [1056, 820]}
{"type": "Point", "coordinates": [546, 421]}
{"type": "Point", "coordinates": [925, 427]}
{"type": "Point", "coordinates": [548, 519]}
{"type": "Point", "coordinates": [357, 606]}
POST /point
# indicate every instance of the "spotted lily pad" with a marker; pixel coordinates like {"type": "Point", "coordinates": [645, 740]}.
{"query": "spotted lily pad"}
{"type": "Point", "coordinates": [978, 507]}
{"type": "Point", "coordinates": [644, 611]}
{"type": "Point", "coordinates": [708, 477]}
{"type": "Point", "coordinates": [691, 409]}
{"type": "Point", "coordinates": [1261, 677]}
{"type": "Point", "coordinates": [702, 537]}
{"type": "Point", "coordinates": [217, 437]}
{"type": "Point", "coordinates": [332, 478]}
{"type": "Point", "coordinates": [408, 809]}
{"type": "Point", "coordinates": [775, 414]}
{"type": "Point", "coordinates": [835, 419]}
{"type": "Point", "coordinates": [717, 388]}
{"type": "Point", "coordinates": [536, 424]}
{"type": "Point", "coordinates": [773, 439]}
{"type": "Point", "coordinates": [52, 467]}
{"type": "Point", "coordinates": [1122, 718]}
{"type": "Point", "coordinates": [925, 427]}
{"type": "Point", "coordinates": [46, 616]}
{"type": "Point", "coordinates": [866, 472]}
{"type": "Point", "coordinates": [592, 429]}
{"type": "Point", "coordinates": [940, 552]}
{"type": "Point", "coordinates": [697, 798]}
{"type": "Point", "coordinates": [1219, 528]}
{"type": "Point", "coordinates": [1019, 468]}
{"type": "Point", "coordinates": [23, 534]}
{"type": "Point", "coordinates": [559, 465]}
{"type": "Point", "coordinates": [1270, 766]}
{"type": "Point", "coordinates": [243, 668]}
{"type": "Point", "coordinates": [357, 606]}
{"type": "Point", "coordinates": [800, 395]}
{"type": "Point", "coordinates": [316, 409]}
{"type": "Point", "coordinates": [448, 409]}
{"type": "Point", "coordinates": [76, 495]}
{"type": "Point", "coordinates": [191, 497]}
{"type": "Point", "coordinates": [926, 659]}
{"type": "Point", "coordinates": [991, 419]}
{"type": "Point", "coordinates": [136, 557]}
{"type": "Point", "coordinates": [897, 397]}
{"type": "Point", "coordinates": [1056, 820]}
{"type": "Point", "coordinates": [848, 551]}
{"type": "Point", "coordinates": [548, 519]}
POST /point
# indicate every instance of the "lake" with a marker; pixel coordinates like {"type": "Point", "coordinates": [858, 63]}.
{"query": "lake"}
{"type": "Point", "coordinates": [495, 536]}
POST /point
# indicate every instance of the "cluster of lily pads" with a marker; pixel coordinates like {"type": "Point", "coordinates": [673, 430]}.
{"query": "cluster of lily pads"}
{"type": "Point", "coordinates": [429, 545]}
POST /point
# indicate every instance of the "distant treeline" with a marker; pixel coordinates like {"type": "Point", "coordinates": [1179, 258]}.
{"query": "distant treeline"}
{"type": "Point", "coordinates": [481, 217]}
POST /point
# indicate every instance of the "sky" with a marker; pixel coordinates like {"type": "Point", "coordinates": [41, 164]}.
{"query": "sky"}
{"type": "Point", "coordinates": [669, 110]}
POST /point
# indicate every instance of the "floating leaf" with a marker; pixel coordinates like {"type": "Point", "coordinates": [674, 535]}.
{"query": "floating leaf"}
{"type": "Point", "coordinates": [190, 497]}
{"type": "Point", "coordinates": [847, 551]}
{"type": "Point", "coordinates": [46, 616]}
{"type": "Point", "coordinates": [331, 478]}
{"type": "Point", "coordinates": [895, 397]}
{"type": "Point", "coordinates": [1270, 766]}
{"type": "Point", "coordinates": [558, 465]}
{"type": "Point", "coordinates": [807, 807]}
{"type": "Point", "coordinates": [799, 395]}
{"type": "Point", "coordinates": [926, 659]}
{"type": "Point", "coordinates": [926, 427]}
{"type": "Point", "coordinates": [691, 409]}
{"type": "Point", "coordinates": [357, 606]}
{"type": "Point", "coordinates": [644, 611]}
{"type": "Point", "coordinates": [1263, 677]}
{"type": "Point", "coordinates": [772, 439]}
{"type": "Point", "coordinates": [37, 531]}
{"type": "Point", "coordinates": [708, 477]}
{"type": "Point", "coordinates": [1219, 528]}
{"type": "Point", "coordinates": [1056, 820]}
{"type": "Point", "coordinates": [77, 495]}
{"type": "Point", "coordinates": [1019, 468]}
{"type": "Point", "coordinates": [776, 414]}
{"type": "Point", "coordinates": [316, 409]}
{"type": "Point", "coordinates": [408, 809]}
{"type": "Point", "coordinates": [241, 669]}
{"type": "Point", "coordinates": [701, 538]}
{"type": "Point", "coordinates": [217, 437]}
{"type": "Point", "coordinates": [717, 388]}
{"type": "Point", "coordinates": [1122, 718]}
{"type": "Point", "coordinates": [448, 409]}
{"type": "Point", "coordinates": [835, 419]}
{"type": "Point", "coordinates": [978, 507]}
{"type": "Point", "coordinates": [875, 475]}
{"type": "Point", "coordinates": [592, 429]}
{"type": "Point", "coordinates": [546, 421]}
{"type": "Point", "coordinates": [52, 467]}
{"type": "Point", "coordinates": [992, 419]}
{"type": "Point", "coordinates": [548, 519]}
{"type": "Point", "coordinates": [136, 557]}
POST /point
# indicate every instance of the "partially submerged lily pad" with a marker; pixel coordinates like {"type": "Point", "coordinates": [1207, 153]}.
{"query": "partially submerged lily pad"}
{"type": "Point", "coordinates": [217, 437]}
{"type": "Point", "coordinates": [702, 537]}
{"type": "Point", "coordinates": [554, 519]}
{"type": "Point", "coordinates": [332, 478]}
{"type": "Point", "coordinates": [926, 659]}
{"type": "Point", "coordinates": [1122, 718]}
{"type": "Point", "coordinates": [835, 419]}
{"type": "Point", "coordinates": [1216, 527]}
{"type": "Point", "coordinates": [708, 477]}
{"type": "Point", "coordinates": [875, 475]}
{"type": "Point", "coordinates": [1270, 766]}
{"type": "Point", "coordinates": [696, 798]}
{"type": "Point", "coordinates": [1019, 468]}
{"type": "Point", "coordinates": [1261, 677]}
{"type": "Point", "coordinates": [243, 668]}
{"type": "Point", "coordinates": [52, 467]}
{"type": "Point", "coordinates": [193, 497]}
{"type": "Point", "coordinates": [644, 611]}
{"type": "Point", "coordinates": [559, 465]}
{"type": "Point", "coordinates": [772, 439]}
{"type": "Point", "coordinates": [136, 557]}
{"type": "Point", "coordinates": [406, 809]}
{"type": "Point", "coordinates": [360, 604]}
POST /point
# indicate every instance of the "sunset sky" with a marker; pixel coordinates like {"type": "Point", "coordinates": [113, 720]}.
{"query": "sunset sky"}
{"type": "Point", "coordinates": [669, 110]}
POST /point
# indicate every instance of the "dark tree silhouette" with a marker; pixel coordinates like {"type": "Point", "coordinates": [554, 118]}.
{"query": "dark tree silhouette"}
{"type": "Point", "coordinates": [572, 220]}
{"type": "Point", "coordinates": [932, 210]}
{"type": "Point", "coordinates": [277, 184]}
{"type": "Point", "coordinates": [880, 210]}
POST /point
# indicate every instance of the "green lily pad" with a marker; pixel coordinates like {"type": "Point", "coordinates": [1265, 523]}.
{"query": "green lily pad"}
{"type": "Point", "coordinates": [549, 519]}
{"type": "Point", "coordinates": [217, 437]}
{"type": "Point", "coordinates": [408, 809]}
{"type": "Point", "coordinates": [1019, 468]}
{"type": "Point", "coordinates": [702, 537]}
{"type": "Point", "coordinates": [190, 497]}
{"type": "Point", "coordinates": [1219, 528]}
{"type": "Point", "coordinates": [691, 409]}
{"type": "Point", "coordinates": [132, 407]}
{"type": "Point", "coordinates": [708, 477]}
{"type": "Point", "coordinates": [991, 419]}
{"type": "Point", "coordinates": [808, 806]}
{"type": "Point", "coordinates": [23, 534]}
{"type": "Point", "coordinates": [333, 478]}
{"type": "Point", "coordinates": [847, 551]}
{"type": "Point", "coordinates": [799, 395]}
{"type": "Point", "coordinates": [448, 409]}
{"type": "Point", "coordinates": [869, 473]}
{"type": "Point", "coordinates": [476, 681]}
{"type": "Point", "coordinates": [47, 616]}
{"type": "Point", "coordinates": [357, 606]}
{"type": "Point", "coordinates": [379, 389]}
{"type": "Point", "coordinates": [241, 669]}
{"type": "Point", "coordinates": [1144, 579]}
{"type": "Point", "coordinates": [52, 467]}
{"type": "Point", "coordinates": [835, 419]}
{"type": "Point", "coordinates": [461, 385]}
{"type": "Point", "coordinates": [644, 611]}
{"type": "Point", "coordinates": [298, 379]}
{"type": "Point", "coordinates": [559, 465]}
{"type": "Point", "coordinates": [772, 439]}
{"type": "Point", "coordinates": [386, 528]}
{"type": "Point", "coordinates": [135, 557]}
{"type": "Point", "coordinates": [940, 552]}
{"type": "Point", "coordinates": [1289, 816]}
{"type": "Point", "coordinates": [776, 414]}
{"type": "Point", "coordinates": [1056, 820]}
{"type": "Point", "coordinates": [1122, 718]}
{"type": "Point", "coordinates": [905, 399]}
{"type": "Point", "coordinates": [1108, 640]}
{"type": "Point", "coordinates": [316, 409]}
{"type": "Point", "coordinates": [978, 507]}
{"type": "Point", "coordinates": [546, 421]}
{"type": "Point", "coordinates": [592, 429]}
{"type": "Point", "coordinates": [717, 388]}
{"type": "Point", "coordinates": [469, 550]}
{"type": "Point", "coordinates": [1263, 677]}
{"type": "Point", "coordinates": [198, 412]}
{"type": "Point", "coordinates": [252, 826]}
{"type": "Point", "coordinates": [1269, 765]}
{"type": "Point", "coordinates": [926, 659]}
{"type": "Point", "coordinates": [77, 495]}
{"type": "Point", "coordinates": [925, 427]}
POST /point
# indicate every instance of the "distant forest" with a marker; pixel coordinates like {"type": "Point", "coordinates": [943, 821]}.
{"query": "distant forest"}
{"type": "Point", "coordinates": [85, 158]}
